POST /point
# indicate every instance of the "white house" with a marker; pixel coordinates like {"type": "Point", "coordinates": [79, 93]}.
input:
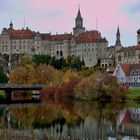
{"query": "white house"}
{"type": "Point", "coordinates": [128, 74]}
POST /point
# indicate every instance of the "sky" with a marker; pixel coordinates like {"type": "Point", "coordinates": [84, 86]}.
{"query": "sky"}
{"type": "Point", "coordinates": [59, 16]}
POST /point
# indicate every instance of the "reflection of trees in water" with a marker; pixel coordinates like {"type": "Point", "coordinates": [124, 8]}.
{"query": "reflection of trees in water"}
{"type": "Point", "coordinates": [102, 110]}
{"type": "Point", "coordinates": [100, 115]}
{"type": "Point", "coordinates": [68, 118]}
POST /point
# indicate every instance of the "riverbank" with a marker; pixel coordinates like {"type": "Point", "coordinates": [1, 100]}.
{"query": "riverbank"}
{"type": "Point", "coordinates": [133, 94]}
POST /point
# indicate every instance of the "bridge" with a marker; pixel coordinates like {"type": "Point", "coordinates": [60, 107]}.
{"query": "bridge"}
{"type": "Point", "coordinates": [9, 88]}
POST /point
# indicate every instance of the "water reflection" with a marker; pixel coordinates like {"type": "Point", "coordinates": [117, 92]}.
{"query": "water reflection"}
{"type": "Point", "coordinates": [68, 119]}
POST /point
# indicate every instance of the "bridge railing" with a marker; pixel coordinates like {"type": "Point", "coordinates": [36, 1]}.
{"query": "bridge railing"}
{"type": "Point", "coordinates": [3, 85]}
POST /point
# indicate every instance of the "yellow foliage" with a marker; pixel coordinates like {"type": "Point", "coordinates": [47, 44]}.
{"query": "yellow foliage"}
{"type": "Point", "coordinates": [46, 74]}
{"type": "Point", "coordinates": [26, 61]}
{"type": "Point", "coordinates": [23, 75]}
{"type": "Point", "coordinates": [69, 75]}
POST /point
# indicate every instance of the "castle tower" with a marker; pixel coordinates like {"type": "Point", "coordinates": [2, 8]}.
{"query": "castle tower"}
{"type": "Point", "coordinates": [78, 29]}
{"type": "Point", "coordinates": [138, 37]}
{"type": "Point", "coordinates": [11, 25]}
{"type": "Point", "coordinates": [118, 41]}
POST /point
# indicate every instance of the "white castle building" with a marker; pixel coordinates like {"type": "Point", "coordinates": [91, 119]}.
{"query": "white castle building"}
{"type": "Point", "coordinates": [89, 46]}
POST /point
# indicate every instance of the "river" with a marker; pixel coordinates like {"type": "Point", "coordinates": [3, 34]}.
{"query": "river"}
{"type": "Point", "coordinates": [70, 120]}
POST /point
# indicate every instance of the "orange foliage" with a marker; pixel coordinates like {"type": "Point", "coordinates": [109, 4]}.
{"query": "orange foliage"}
{"type": "Point", "coordinates": [64, 90]}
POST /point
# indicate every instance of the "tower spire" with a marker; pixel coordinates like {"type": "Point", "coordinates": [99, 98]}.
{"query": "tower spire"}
{"type": "Point", "coordinates": [118, 30]}
{"type": "Point", "coordinates": [79, 13]}
{"type": "Point", "coordinates": [78, 29]}
{"type": "Point", "coordinates": [11, 25]}
{"type": "Point", "coordinates": [118, 40]}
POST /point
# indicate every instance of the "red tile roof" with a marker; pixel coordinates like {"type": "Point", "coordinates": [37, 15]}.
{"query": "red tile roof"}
{"type": "Point", "coordinates": [127, 68]}
{"type": "Point", "coordinates": [90, 36]}
{"type": "Point", "coordinates": [128, 119]}
{"type": "Point", "coordinates": [125, 49]}
{"type": "Point", "coordinates": [87, 37]}
{"type": "Point", "coordinates": [61, 37]}
{"type": "Point", "coordinates": [21, 34]}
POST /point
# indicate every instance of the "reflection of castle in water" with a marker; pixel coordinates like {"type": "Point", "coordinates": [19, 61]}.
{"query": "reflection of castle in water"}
{"type": "Point", "coordinates": [129, 123]}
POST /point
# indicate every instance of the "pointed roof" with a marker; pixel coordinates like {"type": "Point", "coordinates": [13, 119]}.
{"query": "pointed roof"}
{"type": "Point", "coordinates": [125, 68]}
{"type": "Point", "coordinates": [79, 14]}
{"type": "Point", "coordinates": [118, 31]}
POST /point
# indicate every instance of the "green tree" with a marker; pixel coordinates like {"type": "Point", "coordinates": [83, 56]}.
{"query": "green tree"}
{"type": "Point", "coordinates": [3, 76]}
{"type": "Point", "coordinates": [77, 64]}
{"type": "Point", "coordinates": [42, 59]}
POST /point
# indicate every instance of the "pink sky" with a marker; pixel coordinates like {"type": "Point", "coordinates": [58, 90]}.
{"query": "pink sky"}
{"type": "Point", "coordinates": [59, 15]}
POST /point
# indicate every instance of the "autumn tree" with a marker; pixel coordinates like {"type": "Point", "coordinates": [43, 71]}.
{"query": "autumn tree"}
{"type": "Point", "coordinates": [46, 74]}
{"type": "Point", "coordinates": [26, 61]}
{"type": "Point", "coordinates": [23, 75]}
{"type": "Point", "coordinates": [70, 75]}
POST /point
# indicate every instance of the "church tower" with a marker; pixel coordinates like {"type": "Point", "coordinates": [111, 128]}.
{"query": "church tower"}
{"type": "Point", "coordinates": [11, 25]}
{"type": "Point", "coordinates": [78, 29]}
{"type": "Point", "coordinates": [118, 41]}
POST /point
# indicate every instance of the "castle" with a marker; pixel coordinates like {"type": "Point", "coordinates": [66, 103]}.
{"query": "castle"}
{"type": "Point", "coordinates": [89, 46]}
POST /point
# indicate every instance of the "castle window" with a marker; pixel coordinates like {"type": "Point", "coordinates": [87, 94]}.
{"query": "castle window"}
{"type": "Point", "coordinates": [139, 56]}
{"type": "Point", "coordinates": [119, 58]}
{"type": "Point", "coordinates": [125, 54]}
{"type": "Point", "coordinates": [61, 53]}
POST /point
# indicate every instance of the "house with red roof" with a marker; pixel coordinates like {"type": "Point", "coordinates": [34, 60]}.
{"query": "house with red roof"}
{"type": "Point", "coordinates": [128, 74]}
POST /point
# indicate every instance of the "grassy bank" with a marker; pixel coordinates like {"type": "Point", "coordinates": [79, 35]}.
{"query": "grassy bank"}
{"type": "Point", "coordinates": [133, 93]}
{"type": "Point", "coordinates": [132, 96]}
